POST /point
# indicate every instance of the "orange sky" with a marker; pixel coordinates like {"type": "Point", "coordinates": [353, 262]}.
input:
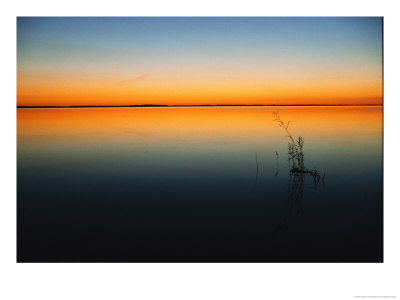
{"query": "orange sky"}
{"type": "Point", "coordinates": [194, 61]}
{"type": "Point", "coordinates": [243, 90]}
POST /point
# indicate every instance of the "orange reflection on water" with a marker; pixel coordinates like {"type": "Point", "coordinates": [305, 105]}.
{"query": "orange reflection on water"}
{"type": "Point", "coordinates": [180, 123]}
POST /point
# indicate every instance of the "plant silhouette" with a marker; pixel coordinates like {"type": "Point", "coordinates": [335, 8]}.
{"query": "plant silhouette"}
{"type": "Point", "coordinates": [297, 174]}
{"type": "Point", "coordinates": [295, 153]}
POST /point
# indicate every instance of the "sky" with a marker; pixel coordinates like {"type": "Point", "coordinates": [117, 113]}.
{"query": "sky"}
{"type": "Point", "coordinates": [192, 61]}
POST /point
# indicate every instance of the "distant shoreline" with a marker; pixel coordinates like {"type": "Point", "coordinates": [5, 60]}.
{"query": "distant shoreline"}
{"type": "Point", "coordinates": [203, 105]}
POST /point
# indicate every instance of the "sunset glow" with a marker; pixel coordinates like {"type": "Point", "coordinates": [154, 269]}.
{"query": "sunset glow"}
{"type": "Point", "coordinates": [194, 61]}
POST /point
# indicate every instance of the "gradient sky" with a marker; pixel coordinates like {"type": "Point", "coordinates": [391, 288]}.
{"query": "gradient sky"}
{"type": "Point", "coordinates": [123, 61]}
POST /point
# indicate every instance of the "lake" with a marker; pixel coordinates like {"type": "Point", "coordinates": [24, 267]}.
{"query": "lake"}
{"type": "Point", "coordinates": [198, 184]}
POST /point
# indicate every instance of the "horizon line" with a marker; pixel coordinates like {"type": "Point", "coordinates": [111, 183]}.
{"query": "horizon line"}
{"type": "Point", "coordinates": [184, 105]}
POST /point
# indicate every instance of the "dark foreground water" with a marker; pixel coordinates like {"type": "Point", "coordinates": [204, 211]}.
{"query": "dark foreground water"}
{"type": "Point", "coordinates": [181, 185]}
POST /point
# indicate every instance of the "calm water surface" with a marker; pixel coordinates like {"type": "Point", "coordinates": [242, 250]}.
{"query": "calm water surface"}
{"type": "Point", "coordinates": [181, 184]}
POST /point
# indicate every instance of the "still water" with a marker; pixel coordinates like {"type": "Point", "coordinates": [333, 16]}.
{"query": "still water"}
{"type": "Point", "coordinates": [184, 185]}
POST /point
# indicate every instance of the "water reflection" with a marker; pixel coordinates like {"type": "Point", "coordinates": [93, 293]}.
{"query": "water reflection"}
{"type": "Point", "coordinates": [297, 169]}
{"type": "Point", "coordinates": [295, 190]}
{"type": "Point", "coordinates": [178, 184]}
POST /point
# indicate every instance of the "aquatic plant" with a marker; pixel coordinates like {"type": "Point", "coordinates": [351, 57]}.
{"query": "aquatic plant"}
{"type": "Point", "coordinates": [295, 153]}
{"type": "Point", "coordinates": [255, 181]}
